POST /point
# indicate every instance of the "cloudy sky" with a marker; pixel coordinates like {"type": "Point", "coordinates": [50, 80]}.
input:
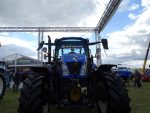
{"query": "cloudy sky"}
{"type": "Point", "coordinates": [128, 32]}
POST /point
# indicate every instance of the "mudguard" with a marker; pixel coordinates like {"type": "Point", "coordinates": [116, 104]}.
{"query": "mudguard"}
{"type": "Point", "coordinates": [40, 70]}
{"type": "Point", "coordinates": [105, 67]}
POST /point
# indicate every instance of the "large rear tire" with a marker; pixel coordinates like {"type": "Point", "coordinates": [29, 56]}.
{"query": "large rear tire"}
{"type": "Point", "coordinates": [112, 94]}
{"type": "Point", "coordinates": [32, 96]}
{"type": "Point", "coordinates": [2, 86]}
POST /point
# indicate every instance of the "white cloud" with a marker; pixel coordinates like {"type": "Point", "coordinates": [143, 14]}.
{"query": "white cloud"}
{"type": "Point", "coordinates": [50, 12]}
{"type": "Point", "coordinates": [93, 19]}
{"type": "Point", "coordinates": [130, 44]}
{"type": "Point", "coordinates": [11, 45]}
{"type": "Point", "coordinates": [12, 49]}
{"type": "Point", "coordinates": [145, 3]}
{"type": "Point", "coordinates": [132, 16]}
{"type": "Point", "coordinates": [134, 7]}
{"type": "Point", "coordinates": [124, 6]}
{"type": "Point", "coordinates": [16, 41]}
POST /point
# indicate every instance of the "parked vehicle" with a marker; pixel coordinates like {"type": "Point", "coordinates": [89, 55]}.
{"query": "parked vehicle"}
{"type": "Point", "coordinates": [123, 72]}
{"type": "Point", "coordinates": [146, 76]}
{"type": "Point", "coordinates": [3, 80]}
{"type": "Point", "coordinates": [70, 80]}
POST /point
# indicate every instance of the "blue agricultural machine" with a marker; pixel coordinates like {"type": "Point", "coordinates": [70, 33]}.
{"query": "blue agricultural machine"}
{"type": "Point", "coordinates": [123, 72]}
{"type": "Point", "coordinates": [4, 80]}
{"type": "Point", "coordinates": [70, 79]}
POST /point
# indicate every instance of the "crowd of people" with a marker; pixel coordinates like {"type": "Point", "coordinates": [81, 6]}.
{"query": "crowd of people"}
{"type": "Point", "coordinates": [16, 79]}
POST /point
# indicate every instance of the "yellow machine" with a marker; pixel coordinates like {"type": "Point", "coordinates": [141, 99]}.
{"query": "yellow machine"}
{"type": "Point", "coordinates": [145, 60]}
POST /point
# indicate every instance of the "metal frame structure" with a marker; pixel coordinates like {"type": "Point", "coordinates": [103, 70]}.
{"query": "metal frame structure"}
{"type": "Point", "coordinates": [47, 29]}
{"type": "Point", "coordinates": [108, 13]}
{"type": "Point", "coordinates": [40, 39]}
{"type": "Point", "coordinates": [105, 18]}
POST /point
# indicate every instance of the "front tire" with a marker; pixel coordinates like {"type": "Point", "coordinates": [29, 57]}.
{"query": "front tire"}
{"type": "Point", "coordinates": [32, 96]}
{"type": "Point", "coordinates": [2, 86]}
{"type": "Point", "coordinates": [112, 94]}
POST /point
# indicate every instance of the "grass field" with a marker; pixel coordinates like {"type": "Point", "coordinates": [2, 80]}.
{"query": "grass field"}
{"type": "Point", "coordinates": [140, 101]}
{"type": "Point", "coordinates": [140, 98]}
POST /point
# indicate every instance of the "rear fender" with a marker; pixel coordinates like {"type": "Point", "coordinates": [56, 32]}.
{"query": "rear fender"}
{"type": "Point", "coordinates": [105, 68]}
{"type": "Point", "coordinates": [40, 70]}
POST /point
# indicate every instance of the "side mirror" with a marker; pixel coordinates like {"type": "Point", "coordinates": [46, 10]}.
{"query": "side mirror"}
{"type": "Point", "coordinates": [105, 43]}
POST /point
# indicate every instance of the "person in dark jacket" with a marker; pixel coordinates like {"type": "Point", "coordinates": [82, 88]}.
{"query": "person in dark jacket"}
{"type": "Point", "coordinates": [16, 80]}
{"type": "Point", "coordinates": [137, 81]}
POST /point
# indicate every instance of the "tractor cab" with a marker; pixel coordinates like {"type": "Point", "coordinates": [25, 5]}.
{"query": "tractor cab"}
{"type": "Point", "coordinates": [71, 45]}
{"type": "Point", "coordinates": [73, 54]}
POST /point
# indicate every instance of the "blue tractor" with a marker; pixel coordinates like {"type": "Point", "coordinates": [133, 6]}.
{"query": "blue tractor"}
{"type": "Point", "coordinates": [4, 79]}
{"type": "Point", "coordinates": [70, 79]}
{"type": "Point", "coordinates": [124, 73]}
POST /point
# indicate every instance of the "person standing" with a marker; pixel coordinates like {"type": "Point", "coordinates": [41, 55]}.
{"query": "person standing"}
{"type": "Point", "coordinates": [137, 81]}
{"type": "Point", "coordinates": [16, 81]}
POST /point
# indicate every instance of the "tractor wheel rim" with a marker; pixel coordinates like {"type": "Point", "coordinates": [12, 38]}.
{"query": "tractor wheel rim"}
{"type": "Point", "coordinates": [103, 106]}
{"type": "Point", "coordinates": [1, 85]}
{"type": "Point", "coordinates": [46, 108]}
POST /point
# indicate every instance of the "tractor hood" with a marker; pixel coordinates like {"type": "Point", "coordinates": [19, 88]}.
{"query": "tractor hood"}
{"type": "Point", "coordinates": [74, 57]}
{"type": "Point", "coordinates": [74, 65]}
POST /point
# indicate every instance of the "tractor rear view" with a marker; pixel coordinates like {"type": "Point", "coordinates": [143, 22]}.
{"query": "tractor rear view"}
{"type": "Point", "coordinates": [71, 80]}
